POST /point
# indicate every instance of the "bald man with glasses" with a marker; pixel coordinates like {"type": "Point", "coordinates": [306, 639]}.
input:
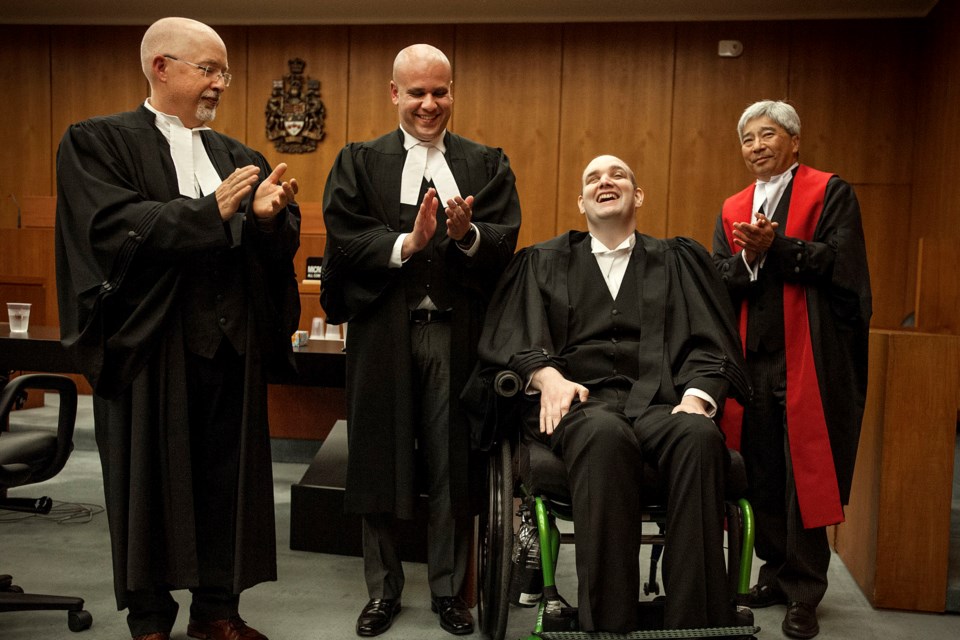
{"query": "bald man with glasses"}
{"type": "Point", "coordinates": [176, 289]}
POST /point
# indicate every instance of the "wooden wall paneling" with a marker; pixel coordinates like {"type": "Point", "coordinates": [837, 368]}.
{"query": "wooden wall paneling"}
{"type": "Point", "coordinates": [325, 49]}
{"type": "Point", "coordinates": [25, 165]}
{"type": "Point", "coordinates": [882, 210]}
{"type": "Point", "coordinates": [710, 94]}
{"type": "Point", "coordinates": [508, 96]}
{"type": "Point", "coordinates": [313, 238]}
{"type": "Point", "coordinates": [936, 161]}
{"type": "Point", "coordinates": [938, 287]}
{"type": "Point", "coordinates": [38, 211]}
{"type": "Point", "coordinates": [617, 99]}
{"type": "Point", "coordinates": [920, 436]}
{"type": "Point", "coordinates": [896, 539]}
{"type": "Point", "coordinates": [231, 117]}
{"type": "Point", "coordinates": [370, 113]}
{"type": "Point", "coordinates": [90, 79]}
{"type": "Point", "coordinates": [311, 217]}
{"type": "Point", "coordinates": [310, 245]}
{"type": "Point", "coordinates": [29, 252]}
{"type": "Point", "coordinates": [858, 119]}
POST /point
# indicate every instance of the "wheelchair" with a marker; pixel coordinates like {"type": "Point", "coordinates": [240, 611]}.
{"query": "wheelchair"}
{"type": "Point", "coordinates": [532, 473]}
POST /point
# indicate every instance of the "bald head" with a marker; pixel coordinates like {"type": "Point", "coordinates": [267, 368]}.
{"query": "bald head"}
{"type": "Point", "coordinates": [609, 199]}
{"type": "Point", "coordinates": [185, 62]}
{"type": "Point", "coordinates": [422, 89]}
{"type": "Point", "coordinates": [600, 164]}
{"type": "Point", "coordinates": [418, 55]}
{"type": "Point", "coordinates": [173, 36]}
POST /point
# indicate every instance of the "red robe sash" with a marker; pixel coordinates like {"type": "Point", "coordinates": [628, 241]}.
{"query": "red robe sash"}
{"type": "Point", "coordinates": [815, 476]}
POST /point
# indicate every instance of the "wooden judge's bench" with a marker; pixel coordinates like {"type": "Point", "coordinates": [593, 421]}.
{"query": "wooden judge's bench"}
{"type": "Point", "coordinates": [896, 538]}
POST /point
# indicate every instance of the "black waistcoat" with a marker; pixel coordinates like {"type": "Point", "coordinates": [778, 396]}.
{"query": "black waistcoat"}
{"type": "Point", "coordinates": [604, 333]}
{"type": "Point", "coordinates": [214, 302]}
{"type": "Point", "coordinates": [765, 312]}
{"type": "Point", "coordinates": [425, 274]}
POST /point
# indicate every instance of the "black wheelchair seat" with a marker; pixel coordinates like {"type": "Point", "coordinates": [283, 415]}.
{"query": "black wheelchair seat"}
{"type": "Point", "coordinates": [542, 473]}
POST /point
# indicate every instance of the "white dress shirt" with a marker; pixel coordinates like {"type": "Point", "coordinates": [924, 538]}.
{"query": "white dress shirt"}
{"type": "Point", "coordinates": [767, 195]}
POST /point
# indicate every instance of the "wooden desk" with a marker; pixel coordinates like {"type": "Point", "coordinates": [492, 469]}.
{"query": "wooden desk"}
{"type": "Point", "coordinates": [298, 408]}
{"type": "Point", "coordinates": [896, 540]}
{"type": "Point", "coordinates": [320, 363]}
{"type": "Point", "coordinates": [37, 350]}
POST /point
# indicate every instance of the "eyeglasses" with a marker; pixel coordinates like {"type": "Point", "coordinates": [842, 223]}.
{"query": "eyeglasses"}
{"type": "Point", "coordinates": [219, 75]}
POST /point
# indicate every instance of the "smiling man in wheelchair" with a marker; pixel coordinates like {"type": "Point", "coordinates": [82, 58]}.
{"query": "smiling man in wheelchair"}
{"type": "Point", "coordinates": [625, 346]}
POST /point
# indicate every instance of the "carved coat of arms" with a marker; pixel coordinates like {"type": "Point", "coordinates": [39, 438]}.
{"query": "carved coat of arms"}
{"type": "Point", "coordinates": [295, 112]}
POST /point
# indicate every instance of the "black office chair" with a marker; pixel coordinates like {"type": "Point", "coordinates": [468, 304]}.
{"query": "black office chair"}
{"type": "Point", "coordinates": [532, 472]}
{"type": "Point", "coordinates": [29, 457]}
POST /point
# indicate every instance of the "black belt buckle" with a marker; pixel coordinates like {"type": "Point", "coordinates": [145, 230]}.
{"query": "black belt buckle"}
{"type": "Point", "coordinates": [426, 316]}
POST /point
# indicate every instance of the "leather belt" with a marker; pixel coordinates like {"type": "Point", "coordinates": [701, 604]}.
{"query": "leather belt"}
{"type": "Point", "coordinates": [426, 316]}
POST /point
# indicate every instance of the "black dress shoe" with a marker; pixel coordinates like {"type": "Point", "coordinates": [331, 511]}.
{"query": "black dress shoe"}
{"type": "Point", "coordinates": [454, 615]}
{"type": "Point", "coordinates": [765, 595]}
{"type": "Point", "coordinates": [377, 616]}
{"type": "Point", "coordinates": [801, 621]}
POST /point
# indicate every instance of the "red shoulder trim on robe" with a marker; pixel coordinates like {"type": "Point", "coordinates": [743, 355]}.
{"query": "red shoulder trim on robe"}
{"type": "Point", "coordinates": [810, 452]}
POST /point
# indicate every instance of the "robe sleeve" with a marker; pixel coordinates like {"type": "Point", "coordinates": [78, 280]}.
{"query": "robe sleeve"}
{"type": "Point", "coordinates": [730, 263]}
{"type": "Point", "coordinates": [517, 333]}
{"type": "Point", "coordinates": [703, 342]}
{"type": "Point", "coordinates": [356, 258]}
{"type": "Point", "coordinates": [496, 213]}
{"type": "Point", "coordinates": [516, 336]}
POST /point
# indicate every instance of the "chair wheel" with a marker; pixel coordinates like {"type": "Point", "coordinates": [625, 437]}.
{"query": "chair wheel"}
{"type": "Point", "coordinates": [13, 588]}
{"type": "Point", "coordinates": [79, 620]}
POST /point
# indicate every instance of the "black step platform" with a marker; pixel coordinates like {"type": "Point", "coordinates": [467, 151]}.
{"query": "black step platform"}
{"type": "Point", "coordinates": [317, 520]}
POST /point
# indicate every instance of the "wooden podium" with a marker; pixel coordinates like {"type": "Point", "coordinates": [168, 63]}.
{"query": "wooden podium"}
{"type": "Point", "coordinates": [896, 538]}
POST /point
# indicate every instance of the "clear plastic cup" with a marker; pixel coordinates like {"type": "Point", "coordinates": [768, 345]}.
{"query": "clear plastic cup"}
{"type": "Point", "coordinates": [19, 316]}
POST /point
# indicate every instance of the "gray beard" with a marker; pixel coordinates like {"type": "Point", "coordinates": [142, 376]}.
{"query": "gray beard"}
{"type": "Point", "coordinates": [205, 114]}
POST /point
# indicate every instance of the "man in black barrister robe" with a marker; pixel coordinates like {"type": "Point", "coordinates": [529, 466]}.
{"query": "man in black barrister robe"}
{"type": "Point", "coordinates": [176, 286]}
{"type": "Point", "coordinates": [413, 279]}
{"type": "Point", "coordinates": [627, 346]}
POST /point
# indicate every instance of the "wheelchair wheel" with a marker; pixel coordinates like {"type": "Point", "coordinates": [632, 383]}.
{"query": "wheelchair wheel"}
{"type": "Point", "coordinates": [495, 544]}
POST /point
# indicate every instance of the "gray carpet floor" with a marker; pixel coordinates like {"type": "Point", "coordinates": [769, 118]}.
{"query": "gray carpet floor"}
{"type": "Point", "coordinates": [317, 596]}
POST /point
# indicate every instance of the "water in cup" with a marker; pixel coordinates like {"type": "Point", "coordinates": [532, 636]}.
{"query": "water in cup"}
{"type": "Point", "coordinates": [19, 315]}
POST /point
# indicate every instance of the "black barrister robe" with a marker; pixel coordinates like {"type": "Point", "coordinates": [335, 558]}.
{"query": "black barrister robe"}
{"type": "Point", "coordinates": [688, 336]}
{"type": "Point", "coordinates": [687, 339]}
{"type": "Point", "coordinates": [125, 239]}
{"type": "Point", "coordinates": [361, 210]}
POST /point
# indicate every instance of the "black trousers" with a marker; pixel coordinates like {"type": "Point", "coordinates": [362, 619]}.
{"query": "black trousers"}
{"type": "Point", "coordinates": [215, 388]}
{"type": "Point", "coordinates": [602, 450]}
{"type": "Point", "coordinates": [795, 559]}
{"type": "Point", "coordinates": [448, 535]}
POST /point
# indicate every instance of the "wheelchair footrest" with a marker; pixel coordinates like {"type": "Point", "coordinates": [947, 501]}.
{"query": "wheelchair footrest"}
{"type": "Point", "coordinates": [657, 634]}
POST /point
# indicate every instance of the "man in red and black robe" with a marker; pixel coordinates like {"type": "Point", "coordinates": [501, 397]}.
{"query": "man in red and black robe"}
{"type": "Point", "coordinates": [790, 249]}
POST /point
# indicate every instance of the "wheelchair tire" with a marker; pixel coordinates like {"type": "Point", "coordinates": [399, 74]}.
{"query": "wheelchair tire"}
{"type": "Point", "coordinates": [495, 544]}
